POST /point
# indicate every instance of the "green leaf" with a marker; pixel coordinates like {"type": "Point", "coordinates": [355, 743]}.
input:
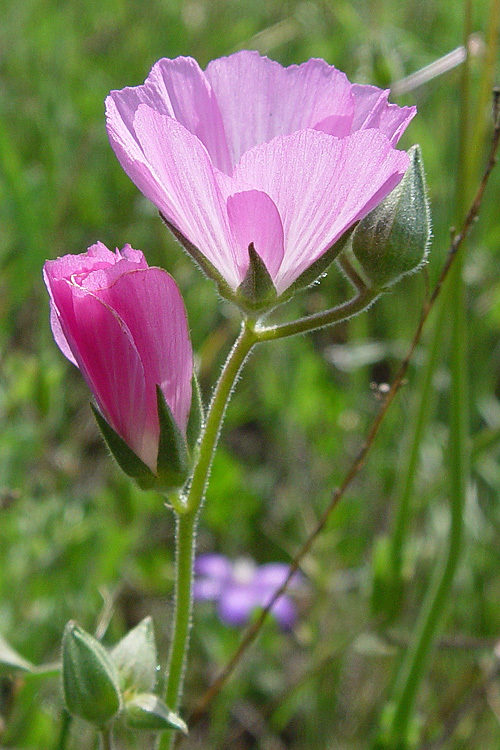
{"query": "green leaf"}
{"type": "Point", "coordinates": [257, 290]}
{"type": "Point", "coordinates": [135, 658]}
{"type": "Point", "coordinates": [90, 679]}
{"type": "Point", "coordinates": [173, 461]}
{"type": "Point", "coordinates": [125, 457]}
{"type": "Point", "coordinates": [147, 711]}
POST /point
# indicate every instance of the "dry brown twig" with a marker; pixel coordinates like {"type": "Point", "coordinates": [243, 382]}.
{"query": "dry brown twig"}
{"type": "Point", "coordinates": [456, 242]}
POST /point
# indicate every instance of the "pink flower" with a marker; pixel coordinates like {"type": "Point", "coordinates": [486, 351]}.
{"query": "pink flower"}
{"type": "Point", "coordinates": [123, 324]}
{"type": "Point", "coordinates": [250, 152]}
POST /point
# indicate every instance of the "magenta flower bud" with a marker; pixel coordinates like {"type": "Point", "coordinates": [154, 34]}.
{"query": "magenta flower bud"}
{"type": "Point", "coordinates": [123, 324]}
{"type": "Point", "coordinates": [259, 170]}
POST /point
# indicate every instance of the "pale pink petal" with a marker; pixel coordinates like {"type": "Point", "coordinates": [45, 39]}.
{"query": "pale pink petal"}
{"type": "Point", "coordinates": [103, 349]}
{"type": "Point", "coordinates": [321, 185]}
{"type": "Point", "coordinates": [178, 88]}
{"type": "Point", "coordinates": [104, 275]}
{"type": "Point", "coordinates": [173, 169]}
{"type": "Point", "coordinates": [150, 303]}
{"type": "Point", "coordinates": [121, 133]}
{"type": "Point", "coordinates": [372, 110]}
{"type": "Point", "coordinates": [259, 99]}
{"type": "Point", "coordinates": [97, 256]}
{"type": "Point", "coordinates": [96, 261]}
{"type": "Point", "coordinates": [255, 219]}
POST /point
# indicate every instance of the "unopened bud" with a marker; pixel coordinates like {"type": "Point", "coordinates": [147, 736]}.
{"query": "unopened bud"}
{"type": "Point", "coordinates": [393, 240]}
{"type": "Point", "coordinates": [90, 679]}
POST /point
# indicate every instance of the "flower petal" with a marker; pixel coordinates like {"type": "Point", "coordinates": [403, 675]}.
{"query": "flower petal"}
{"type": "Point", "coordinates": [236, 603]}
{"type": "Point", "coordinates": [213, 565]}
{"type": "Point", "coordinates": [150, 303]}
{"type": "Point", "coordinates": [284, 611]}
{"type": "Point", "coordinates": [103, 349]}
{"type": "Point", "coordinates": [98, 260]}
{"type": "Point", "coordinates": [372, 110]}
{"type": "Point", "coordinates": [173, 169]}
{"type": "Point", "coordinates": [259, 99]}
{"type": "Point", "coordinates": [58, 333]}
{"type": "Point", "coordinates": [274, 575]}
{"type": "Point", "coordinates": [254, 218]}
{"type": "Point", "coordinates": [213, 572]}
{"type": "Point", "coordinates": [178, 88]}
{"type": "Point", "coordinates": [321, 185]}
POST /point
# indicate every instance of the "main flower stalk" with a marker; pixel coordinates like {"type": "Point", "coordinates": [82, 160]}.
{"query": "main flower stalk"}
{"type": "Point", "coordinates": [187, 521]}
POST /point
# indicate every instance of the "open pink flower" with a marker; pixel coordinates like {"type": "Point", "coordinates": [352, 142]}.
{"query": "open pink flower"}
{"type": "Point", "coordinates": [250, 152]}
{"type": "Point", "coordinates": [123, 324]}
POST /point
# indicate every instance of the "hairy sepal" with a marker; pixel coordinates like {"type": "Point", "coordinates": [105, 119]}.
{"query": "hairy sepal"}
{"type": "Point", "coordinates": [256, 291]}
{"type": "Point", "coordinates": [173, 460]}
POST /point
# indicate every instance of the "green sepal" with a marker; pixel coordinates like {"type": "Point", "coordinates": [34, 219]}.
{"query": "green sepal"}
{"type": "Point", "coordinates": [136, 660]}
{"type": "Point", "coordinates": [90, 678]}
{"type": "Point", "coordinates": [125, 457]}
{"type": "Point", "coordinates": [200, 260]}
{"type": "Point", "coordinates": [147, 711]}
{"type": "Point", "coordinates": [257, 290]}
{"type": "Point", "coordinates": [173, 461]}
{"type": "Point", "coordinates": [393, 239]}
{"type": "Point", "coordinates": [196, 417]}
{"type": "Point", "coordinates": [319, 267]}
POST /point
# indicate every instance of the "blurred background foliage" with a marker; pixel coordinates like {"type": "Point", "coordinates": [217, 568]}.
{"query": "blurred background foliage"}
{"type": "Point", "coordinates": [77, 541]}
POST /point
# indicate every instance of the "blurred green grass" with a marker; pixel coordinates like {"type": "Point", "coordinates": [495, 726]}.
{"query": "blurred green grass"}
{"type": "Point", "coordinates": [74, 535]}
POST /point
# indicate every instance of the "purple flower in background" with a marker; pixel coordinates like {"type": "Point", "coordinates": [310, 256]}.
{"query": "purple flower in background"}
{"type": "Point", "coordinates": [123, 324]}
{"type": "Point", "coordinates": [250, 153]}
{"type": "Point", "coordinates": [240, 587]}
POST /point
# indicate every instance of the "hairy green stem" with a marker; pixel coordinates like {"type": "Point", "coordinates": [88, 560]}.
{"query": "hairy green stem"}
{"type": "Point", "coordinates": [187, 522]}
{"type": "Point", "coordinates": [184, 549]}
{"type": "Point", "coordinates": [216, 411]}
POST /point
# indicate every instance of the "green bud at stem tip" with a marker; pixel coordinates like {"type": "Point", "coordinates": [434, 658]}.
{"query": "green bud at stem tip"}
{"type": "Point", "coordinates": [393, 240]}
